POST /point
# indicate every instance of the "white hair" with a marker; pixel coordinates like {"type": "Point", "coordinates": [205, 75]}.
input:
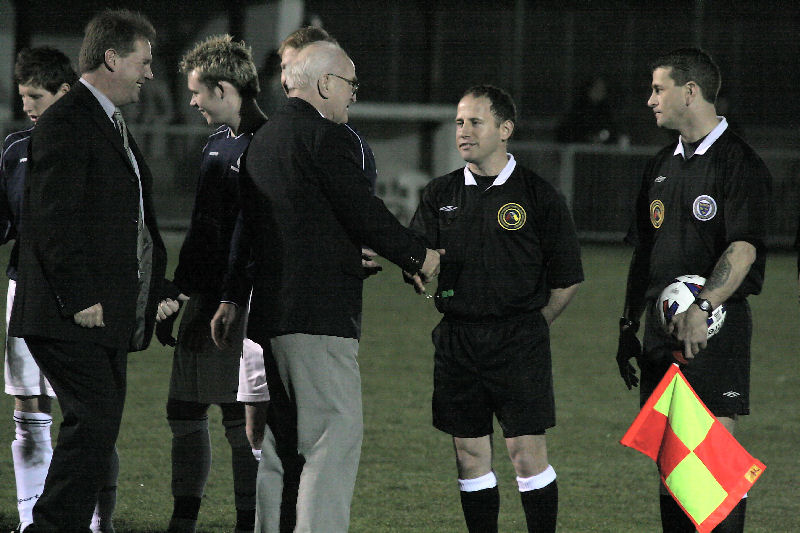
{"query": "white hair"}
{"type": "Point", "coordinates": [314, 61]}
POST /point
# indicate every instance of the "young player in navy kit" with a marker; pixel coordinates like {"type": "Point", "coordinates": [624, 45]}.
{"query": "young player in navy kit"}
{"type": "Point", "coordinates": [223, 81]}
{"type": "Point", "coordinates": [512, 266]}
{"type": "Point", "coordinates": [702, 209]}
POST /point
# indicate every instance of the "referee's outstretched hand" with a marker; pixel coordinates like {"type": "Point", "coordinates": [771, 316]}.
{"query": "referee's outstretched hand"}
{"type": "Point", "coordinates": [629, 347]}
{"type": "Point", "coordinates": [431, 265]}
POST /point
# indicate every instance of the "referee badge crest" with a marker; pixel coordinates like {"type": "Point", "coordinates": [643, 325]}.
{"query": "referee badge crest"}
{"type": "Point", "coordinates": [511, 217]}
{"type": "Point", "coordinates": [657, 213]}
{"type": "Point", "coordinates": [704, 207]}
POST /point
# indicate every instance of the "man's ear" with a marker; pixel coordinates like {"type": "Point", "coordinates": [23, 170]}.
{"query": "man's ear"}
{"type": "Point", "coordinates": [225, 88]}
{"type": "Point", "coordinates": [506, 129]}
{"type": "Point", "coordinates": [322, 86]}
{"type": "Point", "coordinates": [64, 89]}
{"type": "Point", "coordinates": [692, 92]}
{"type": "Point", "coordinates": [110, 59]}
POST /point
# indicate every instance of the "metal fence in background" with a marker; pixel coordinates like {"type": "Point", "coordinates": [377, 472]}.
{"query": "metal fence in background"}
{"type": "Point", "coordinates": [599, 182]}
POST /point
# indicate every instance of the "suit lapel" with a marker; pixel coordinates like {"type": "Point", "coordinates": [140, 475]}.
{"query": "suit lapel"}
{"type": "Point", "coordinates": [104, 124]}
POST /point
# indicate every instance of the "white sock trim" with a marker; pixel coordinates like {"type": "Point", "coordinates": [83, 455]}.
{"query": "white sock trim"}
{"type": "Point", "coordinates": [33, 418]}
{"type": "Point", "coordinates": [539, 481]}
{"type": "Point", "coordinates": [33, 427]}
{"type": "Point", "coordinates": [486, 481]}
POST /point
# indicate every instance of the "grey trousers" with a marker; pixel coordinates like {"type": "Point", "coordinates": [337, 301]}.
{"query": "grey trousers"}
{"type": "Point", "coordinates": [322, 376]}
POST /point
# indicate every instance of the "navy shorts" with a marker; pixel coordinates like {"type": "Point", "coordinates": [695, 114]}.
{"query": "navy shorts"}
{"type": "Point", "coordinates": [499, 368]}
{"type": "Point", "coordinates": [720, 373]}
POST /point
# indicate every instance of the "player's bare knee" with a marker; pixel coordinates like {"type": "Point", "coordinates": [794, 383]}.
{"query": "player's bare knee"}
{"type": "Point", "coordinates": [728, 422]}
{"type": "Point", "coordinates": [528, 454]}
{"type": "Point", "coordinates": [473, 456]}
{"type": "Point", "coordinates": [32, 404]}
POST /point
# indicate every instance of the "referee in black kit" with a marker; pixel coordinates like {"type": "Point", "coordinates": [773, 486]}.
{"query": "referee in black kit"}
{"type": "Point", "coordinates": [702, 209]}
{"type": "Point", "coordinates": [512, 265]}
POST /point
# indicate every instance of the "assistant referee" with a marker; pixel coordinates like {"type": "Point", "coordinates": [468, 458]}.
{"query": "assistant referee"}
{"type": "Point", "coordinates": [702, 209]}
{"type": "Point", "coordinates": [512, 265]}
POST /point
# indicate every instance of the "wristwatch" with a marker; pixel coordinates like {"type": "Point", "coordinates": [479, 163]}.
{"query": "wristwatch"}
{"type": "Point", "coordinates": [704, 305]}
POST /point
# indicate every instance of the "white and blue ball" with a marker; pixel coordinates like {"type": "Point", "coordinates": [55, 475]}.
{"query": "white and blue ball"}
{"type": "Point", "coordinates": [680, 294]}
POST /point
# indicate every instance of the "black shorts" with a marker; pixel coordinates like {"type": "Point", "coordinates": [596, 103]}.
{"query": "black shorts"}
{"type": "Point", "coordinates": [720, 373]}
{"type": "Point", "coordinates": [500, 368]}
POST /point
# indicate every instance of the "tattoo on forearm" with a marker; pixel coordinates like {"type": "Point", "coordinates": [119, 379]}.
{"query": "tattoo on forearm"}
{"type": "Point", "coordinates": [722, 272]}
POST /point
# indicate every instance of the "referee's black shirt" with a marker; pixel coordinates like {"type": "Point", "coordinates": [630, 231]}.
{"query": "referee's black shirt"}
{"type": "Point", "coordinates": [689, 210]}
{"type": "Point", "coordinates": [505, 246]}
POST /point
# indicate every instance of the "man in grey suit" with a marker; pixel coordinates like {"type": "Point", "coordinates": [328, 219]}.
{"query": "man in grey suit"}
{"type": "Point", "coordinates": [91, 261]}
{"type": "Point", "coordinates": [308, 209]}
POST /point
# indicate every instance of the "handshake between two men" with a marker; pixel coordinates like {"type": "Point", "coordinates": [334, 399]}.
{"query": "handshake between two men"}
{"type": "Point", "coordinates": [227, 315]}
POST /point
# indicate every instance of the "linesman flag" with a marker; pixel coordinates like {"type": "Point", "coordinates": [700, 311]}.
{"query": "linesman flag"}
{"type": "Point", "coordinates": [704, 468]}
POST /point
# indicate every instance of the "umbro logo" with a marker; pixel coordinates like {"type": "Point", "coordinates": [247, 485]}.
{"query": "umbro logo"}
{"type": "Point", "coordinates": [213, 153]}
{"type": "Point", "coordinates": [24, 159]}
{"type": "Point", "coordinates": [731, 394]}
{"type": "Point", "coordinates": [448, 208]}
{"type": "Point", "coordinates": [660, 179]}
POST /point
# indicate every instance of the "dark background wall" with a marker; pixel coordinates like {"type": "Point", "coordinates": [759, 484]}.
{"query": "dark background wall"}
{"type": "Point", "coordinates": [429, 52]}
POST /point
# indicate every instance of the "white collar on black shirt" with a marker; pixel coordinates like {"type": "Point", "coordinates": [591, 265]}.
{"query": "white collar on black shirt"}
{"type": "Point", "coordinates": [707, 142]}
{"type": "Point", "coordinates": [501, 178]}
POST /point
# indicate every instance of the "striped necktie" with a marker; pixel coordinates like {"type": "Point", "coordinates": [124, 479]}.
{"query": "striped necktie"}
{"type": "Point", "coordinates": [119, 122]}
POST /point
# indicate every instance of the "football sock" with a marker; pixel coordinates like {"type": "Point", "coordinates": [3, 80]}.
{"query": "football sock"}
{"type": "Point", "coordinates": [245, 468]}
{"type": "Point", "coordinates": [673, 518]}
{"type": "Point", "coordinates": [191, 463]}
{"type": "Point", "coordinates": [734, 522]}
{"type": "Point", "coordinates": [480, 501]}
{"type": "Point", "coordinates": [31, 451]}
{"type": "Point", "coordinates": [103, 518]}
{"type": "Point", "coordinates": [539, 495]}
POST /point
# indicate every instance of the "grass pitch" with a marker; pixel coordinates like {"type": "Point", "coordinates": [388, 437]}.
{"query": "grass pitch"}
{"type": "Point", "coordinates": [407, 478]}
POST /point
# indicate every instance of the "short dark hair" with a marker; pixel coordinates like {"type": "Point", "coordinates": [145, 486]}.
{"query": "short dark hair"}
{"type": "Point", "coordinates": [220, 58]}
{"type": "Point", "coordinates": [304, 36]}
{"type": "Point", "coordinates": [502, 107]}
{"type": "Point", "coordinates": [44, 67]}
{"type": "Point", "coordinates": [113, 28]}
{"type": "Point", "coordinates": [692, 64]}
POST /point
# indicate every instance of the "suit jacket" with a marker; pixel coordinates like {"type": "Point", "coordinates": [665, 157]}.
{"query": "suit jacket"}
{"type": "Point", "coordinates": [79, 229]}
{"type": "Point", "coordinates": [307, 210]}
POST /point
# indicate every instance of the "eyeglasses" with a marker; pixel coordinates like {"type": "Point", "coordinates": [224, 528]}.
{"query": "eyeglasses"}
{"type": "Point", "coordinates": [353, 83]}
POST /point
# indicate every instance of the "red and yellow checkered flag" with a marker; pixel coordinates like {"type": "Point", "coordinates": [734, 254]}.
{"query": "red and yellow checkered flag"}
{"type": "Point", "coordinates": [704, 468]}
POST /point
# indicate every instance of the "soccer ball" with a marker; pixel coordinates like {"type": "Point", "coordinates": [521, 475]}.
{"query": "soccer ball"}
{"type": "Point", "coordinates": [680, 294]}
